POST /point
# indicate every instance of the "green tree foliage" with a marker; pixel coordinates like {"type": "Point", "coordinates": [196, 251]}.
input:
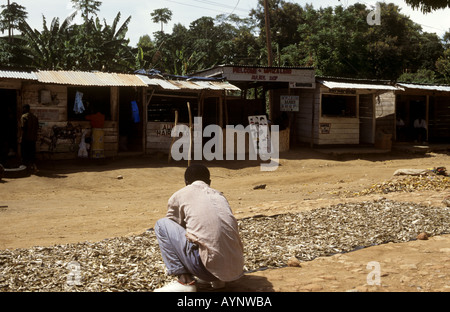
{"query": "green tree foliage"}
{"type": "Point", "coordinates": [86, 7]}
{"type": "Point", "coordinates": [336, 41]}
{"type": "Point", "coordinates": [145, 53]}
{"type": "Point", "coordinates": [428, 5]}
{"type": "Point", "coordinates": [443, 62]}
{"type": "Point", "coordinates": [205, 43]}
{"type": "Point", "coordinates": [162, 16]}
{"type": "Point", "coordinates": [10, 18]}
{"type": "Point", "coordinates": [285, 17]}
{"type": "Point", "coordinates": [46, 48]}
{"type": "Point", "coordinates": [339, 42]}
{"type": "Point", "coordinates": [92, 45]}
{"type": "Point", "coordinates": [12, 51]}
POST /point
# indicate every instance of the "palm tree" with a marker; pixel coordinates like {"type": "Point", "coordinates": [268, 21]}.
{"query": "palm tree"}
{"type": "Point", "coordinates": [86, 7]}
{"type": "Point", "coordinates": [47, 48]}
{"type": "Point", "coordinates": [117, 53]}
{"type": "Point", "coordinates": [161, 15]}
{"type": "Point", "coordinates": [10, 18]}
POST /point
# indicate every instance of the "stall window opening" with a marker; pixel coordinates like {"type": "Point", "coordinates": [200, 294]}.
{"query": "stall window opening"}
{"type": "Point", "coordinates": [94, 99]}
{"type": "Point", "coordinates": [162, 108]}
{"type": "Point", "coordinates": [339, 105]}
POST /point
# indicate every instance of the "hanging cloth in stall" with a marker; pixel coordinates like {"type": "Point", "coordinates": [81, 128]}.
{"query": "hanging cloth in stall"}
{"type": "Point", "coordinates": [82, 152]}
{"type": "Point", "coordinates": [78, 107]}
{"type": "Point", "coordinates": [135, 112]}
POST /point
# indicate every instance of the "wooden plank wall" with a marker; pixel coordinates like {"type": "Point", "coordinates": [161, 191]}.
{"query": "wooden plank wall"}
{"type": "Point", "coordinates": [56, 111]}
{"type": "Point", "coordinates": [439, 119]}
{"type": "Point", "coordinates": [336, 130]}
{"type": "Point", "coordinates": [366, 117]}
{"type": "Point", "coordinates": [385, 112]}
{"type": "Point", "coordinates": [311, 127]}
{"type": "Point", "coordinates": [10, 84]}
{"type": "Point", "coordinates": [302, 127]}
{"type": "Point", "coordinates": [340, 130]}
{"type": "Point", "coordinates": [159, 137]}
{"type": "Point", "coordinates": [54, 114]}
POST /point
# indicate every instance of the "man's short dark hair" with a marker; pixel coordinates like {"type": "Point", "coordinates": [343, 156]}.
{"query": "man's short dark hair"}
{"type": "Point", "coordinates": [197, 172]}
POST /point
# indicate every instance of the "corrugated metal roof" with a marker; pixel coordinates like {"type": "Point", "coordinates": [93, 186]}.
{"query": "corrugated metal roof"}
{"type": "Point", "coordinates": [204, 85]}
{"type": "Point", "coordinates": [158, 82]}
{"type": "Point", "coordinates": [425, 87]}
{"type": "Point", "coordinates": [216, 85]}
{"type": "Point", "coordinates": [80, 78]}
{"type": "Point", "coordinates": [188, 85]}
{"type": "Point", "coordinates": [352, 85]}
{"type": "Point", "coordinates": [17, 75]}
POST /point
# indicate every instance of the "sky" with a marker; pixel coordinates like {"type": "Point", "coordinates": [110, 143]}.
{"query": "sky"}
{"type": "Point", "coordinates": [187, 11]}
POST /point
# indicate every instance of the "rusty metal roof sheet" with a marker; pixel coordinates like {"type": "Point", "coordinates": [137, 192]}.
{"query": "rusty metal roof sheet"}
{"type": "Point", "coordinates": [80, 78]}
{"type": "Point", "coordinates": [10, 74]}
{"type": "Point", "coordinates": [188, 85]}
{"type": "Point", "coordinates": [158, 82]}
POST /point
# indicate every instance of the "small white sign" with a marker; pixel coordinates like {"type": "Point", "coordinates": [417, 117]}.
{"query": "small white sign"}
{"type": "Point", "coordinates": [290, 103]}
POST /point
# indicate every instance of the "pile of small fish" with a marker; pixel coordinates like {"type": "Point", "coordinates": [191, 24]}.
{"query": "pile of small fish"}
{"type": "Point", "coordinates": [404, 184]}
{"type": "Point", "coordinates": [271, 241]}
{"type": "Point", "coordinates": [134, 263]}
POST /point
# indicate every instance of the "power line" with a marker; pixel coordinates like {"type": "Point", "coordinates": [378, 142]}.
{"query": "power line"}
{"type": "Point", "coordinates": [234, 8]}
{"type": "Point", "coordinates": [202, 7]}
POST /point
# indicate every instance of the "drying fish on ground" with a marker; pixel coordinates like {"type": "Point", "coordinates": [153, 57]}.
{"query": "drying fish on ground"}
{"type": "Point", "coordinates": [134, 263]}
{"type": "Point", "coordinates": [403, 183]}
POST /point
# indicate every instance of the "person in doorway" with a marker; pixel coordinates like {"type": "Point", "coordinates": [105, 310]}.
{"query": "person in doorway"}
{"type": "Point", "coordinates": [97, 120]}
{"type": "Point", "coordinates": [97, 136]}
{"type": "Point", "coordinates": [420, 128]}
{"type": "Point", "coordinates": [29, 128]}
{"type": "Point", "coordinates": [199, 237]}
{"type": "Point", "coordinates": [401, 126]}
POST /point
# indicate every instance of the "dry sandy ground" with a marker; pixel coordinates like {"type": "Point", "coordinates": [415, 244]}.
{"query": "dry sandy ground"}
{"type": "Point", "coordinates": [79, 201]}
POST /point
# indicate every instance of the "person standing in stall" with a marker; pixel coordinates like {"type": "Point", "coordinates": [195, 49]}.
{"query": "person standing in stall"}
{"type": "Point", "coordinates": [29, 128]}
{"type": "Point", "coordinates": [420, 128]}
{"type": "Point", "coordinates": [97, 144]}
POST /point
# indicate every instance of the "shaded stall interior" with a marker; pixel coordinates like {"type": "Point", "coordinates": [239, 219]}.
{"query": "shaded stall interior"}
{"type": "Point", "coordinates": [123, 130]}
{"type": "Point", "coordinates": [9, 116]}
{"type": "Point", "coordinates": [429, 102]}
{"type": "Point", "coordinates": [131, 119]}
{"type": "Point", "coordinates": [165, 107]}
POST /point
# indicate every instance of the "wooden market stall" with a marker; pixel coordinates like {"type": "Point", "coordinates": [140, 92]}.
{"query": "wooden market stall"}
{"type": "Point", "coordinates": [350, 112]}
{"type": "Point", "coordinates": [430, 102]}
{"type": "Point", "coordinates": [168, 96]}
{"type": "Point", "coordinates": [63, 100]}
{"type": "Point", "coordinates": [11, 84]}
{"type": "Point", "coordinates": [280, 93]}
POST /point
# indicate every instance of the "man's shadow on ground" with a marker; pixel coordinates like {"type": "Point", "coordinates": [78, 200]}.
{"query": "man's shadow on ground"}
{"type": "Point", "coordinates": [247, 283]}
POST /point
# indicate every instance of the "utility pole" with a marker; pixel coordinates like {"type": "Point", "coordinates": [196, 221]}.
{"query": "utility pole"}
{"type": "Point", "coordinates": [9, 24]}
{"type": "Point", "coordinates": [268, 34]}
{"type": "Point", "coordinates": [269, 53]}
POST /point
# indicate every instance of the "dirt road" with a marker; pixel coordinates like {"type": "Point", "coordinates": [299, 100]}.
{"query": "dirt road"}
{"type": "Point", "coordinates": [68, 202]}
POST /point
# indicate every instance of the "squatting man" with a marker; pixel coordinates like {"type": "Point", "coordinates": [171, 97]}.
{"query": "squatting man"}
{"type": "Point", "coordinates": [199, 237]}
